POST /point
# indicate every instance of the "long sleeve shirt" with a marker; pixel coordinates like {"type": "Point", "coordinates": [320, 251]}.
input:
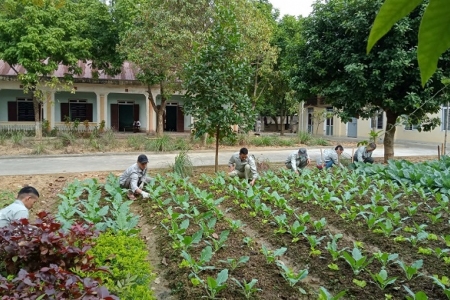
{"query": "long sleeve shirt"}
{"type": "Point", "coordinates": [240, 164]}
{"type": "Point", "coordinates": [331, 155]}
{"type": "Point", "coordinates": [361, 154]}
{"type": "Point", "coordinates": [135, 175]}
{"type": "Point", "coordinates": [295, 159]}
{"type": "Point", "coordinates": [14, 211]}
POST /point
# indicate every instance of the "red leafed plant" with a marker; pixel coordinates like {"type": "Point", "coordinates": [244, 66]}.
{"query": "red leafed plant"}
{"type": "Point", "coordinates": [41, 255]}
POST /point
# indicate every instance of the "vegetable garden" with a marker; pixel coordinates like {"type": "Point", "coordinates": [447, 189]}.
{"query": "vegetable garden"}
{"type": "Point", "coordinates": [376, 232]}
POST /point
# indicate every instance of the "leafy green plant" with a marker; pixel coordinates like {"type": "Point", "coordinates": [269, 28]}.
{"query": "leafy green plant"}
{"type": "Point", "coordinates": [382, 279]}
{"type": "Point", "coordinates": [272, 255]}
{"type": "Point", "coordinates": [415, 296]}
{"type": "Point", "coordinates": [356, 260]}
{"type": "Point", "coordinates": [324, 294]}
{"type": "Point", "coordinates": [333, 248]}
{"type": "Point", "coordinates": [220, 241]}
{"type": "Point", "coordinates": [160, 144]}
{"type": "Point", "coordinates": [411, 270]}
{"type": "Point", "coordinates": [360, 283]}
{"type": "Point", "coordinates": [234, 262]}
{"type": "Point", "coordinates": [290, 275]}
{"type": "Point", "coordinates": [443, 283]}
{"type": "Point", "coordinates": [248, 289]}
{"type": "Point", "coordinates": [384, 258]}
{"type": "Point", "coordinates": [214, 285]}
{"type": "Point", "coordinates": [198, 266]}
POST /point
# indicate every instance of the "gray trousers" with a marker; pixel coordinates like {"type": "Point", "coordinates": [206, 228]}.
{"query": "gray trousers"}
{"type": "Point", "coordinates": [247, 174]}
{"type": "Point", "coordinates": [127, 183]}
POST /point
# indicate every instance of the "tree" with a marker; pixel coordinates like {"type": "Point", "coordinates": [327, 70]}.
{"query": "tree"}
{"type": "Point", "coordinates": [41, 35]}
{"type": "Point", "coordinates": [160, 41]}
{"type": "Point", "coordinates": [333, 63]}
{"type": "Point", "coordinates": [216, 81]}
{"type": "Point", "coordinates": [434, 39]}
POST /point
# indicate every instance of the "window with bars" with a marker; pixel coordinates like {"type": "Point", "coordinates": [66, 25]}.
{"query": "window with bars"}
{"type": "Point", "coordinates": [21, 110]}
{"type": "Point", "coordinates": [444, 123]}
{"type": "Point", "coordinates": [77, 110]}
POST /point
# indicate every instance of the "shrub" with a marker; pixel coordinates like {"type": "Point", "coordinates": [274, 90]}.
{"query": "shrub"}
{"type": "Point", "coordinates": [3, 137]}
{"type": "Point", "coordinates": [135, 142]}
{"type": "Point", "coordinates": [183, 164]}
{"type": "Point", "coordinates": [39, 149]}
{"type": "Point", "coordinates": [17, 137]}
{"type": "Point", "coordinates": [67, 138]}
{"type": "Point", "coordinates": [182, 144]}
{"type": "Point", "coordinates": [6, 198]}
{"type": "Point", "coordinates": [42, 256]}
{"type": "Point", "coordinates": [109, 139]}
{"type": "Point", "coordinates": [126, 256]}
{"type": "Point", "coordinates": [159, 144]}
{"type": "Point", "coordinates": [263, 141]}
{"type": "Point", "coordinates": [304, 137]}
{"type": "Point", "coordinates": [287, 142]}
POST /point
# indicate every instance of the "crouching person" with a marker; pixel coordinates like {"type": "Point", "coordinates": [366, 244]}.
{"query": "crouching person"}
{"type": "Point", "coordinates": [331, 158]}
{"type": "Point", "coordinates": [364, 153]}
{"type": "Point", "coordinates": [243, 166]}
{"type": "Point", "coordinates": [298, 160]}
{"type": "Point", "coordinates": [135, 177]}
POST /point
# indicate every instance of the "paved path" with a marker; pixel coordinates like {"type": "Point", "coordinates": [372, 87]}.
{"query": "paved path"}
{"type": "Point", "coordinates": [29, 165]}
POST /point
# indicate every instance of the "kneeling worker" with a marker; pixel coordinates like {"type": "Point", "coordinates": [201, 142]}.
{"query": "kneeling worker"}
{"type": "Point", "coordinates": [135, 177]}
{"type": "Point", "coordinates": [364, 153]}
{"type": "Point", "coordinates": [243, 166]}
{"type": "Point", "coordinates": [297, 160]}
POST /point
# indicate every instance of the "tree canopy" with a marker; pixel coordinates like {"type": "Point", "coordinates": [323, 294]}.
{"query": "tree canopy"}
{"type": "Point", "coordinates": [216, 81]}
{"type": "Point", "coordinates": [40, 35]}
{"type": "Point", "coordinates": [333, 63]}
{"type": "Point", "coordinates": [433, 39]}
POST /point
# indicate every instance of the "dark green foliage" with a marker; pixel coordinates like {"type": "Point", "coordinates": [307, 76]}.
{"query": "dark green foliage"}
{"type": "Point", "coordinates": [129, 271]}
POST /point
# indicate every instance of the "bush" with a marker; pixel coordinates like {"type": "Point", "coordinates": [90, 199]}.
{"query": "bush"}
{"type": "Point", "coordinates": [39, 149]}
{"type": "Point", "coordinates": [182, 144]}
{"type": "Point", "coordinates": [183, 165]}
{"type": "Point", "coordinates": [287, 142]}
{"type": "Point", "coordinates": [42, 256]}
{"type": "Point", "coordinates": [263, 141]}
{"type": "Point", "coordinates": [129, 273]}
{"type": "Point", "coordinates": [135, 142]}
{"type": "Point", "coordinates": [304, 137]}
{"type": "Point", "coordinates": [67, 138]}
{"type": "Point", "coordinates": [160, 144]}
{"type": "Point", "coordinates": [17, 137]}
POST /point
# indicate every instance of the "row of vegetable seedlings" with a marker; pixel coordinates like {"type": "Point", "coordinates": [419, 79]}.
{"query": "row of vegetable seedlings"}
{"type": "Point", "coordinates": [356, 259]}
{"type": "Point", "coordinates": [199, 230]}
{"type": "Point", "coordinates": [363, 187]}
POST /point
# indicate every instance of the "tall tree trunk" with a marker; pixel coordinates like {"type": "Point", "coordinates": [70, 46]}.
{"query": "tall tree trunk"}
{"type": "Point", "coordinates": [282, 123]}
{"type": "Point", "coordinates": [389, 135]}
{"type": "Point", "coordinates": [37, 117]}
{"type": "Point", "coordinates": [216, 162]}
{"type": "Point", "coordinates": [158, 110]}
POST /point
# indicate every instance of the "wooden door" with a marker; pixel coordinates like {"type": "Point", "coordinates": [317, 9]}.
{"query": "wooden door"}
{"type": "Point", "coordinates": [115, 117]}
{"type": "Point", "coordinates": [180, 119]}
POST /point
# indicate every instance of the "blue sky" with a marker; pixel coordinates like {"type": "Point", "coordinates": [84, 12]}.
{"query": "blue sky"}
{"type": "Point", "coordinates": [293, 7]}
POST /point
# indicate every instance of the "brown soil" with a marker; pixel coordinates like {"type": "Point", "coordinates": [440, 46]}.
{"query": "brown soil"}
{"type": "Point", "coordinates": [172, 278]}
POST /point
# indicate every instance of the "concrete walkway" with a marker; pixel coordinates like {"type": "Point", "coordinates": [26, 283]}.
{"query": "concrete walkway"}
{"type": "Point", "coordinates": [29, 165]}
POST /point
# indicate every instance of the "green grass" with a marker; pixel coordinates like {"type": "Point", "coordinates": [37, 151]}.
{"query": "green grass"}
{"type": "Point", "coordinates": [183, 164]}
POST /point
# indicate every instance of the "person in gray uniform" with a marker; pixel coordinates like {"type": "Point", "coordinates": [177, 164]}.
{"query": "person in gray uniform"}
{"type": "Point", "coordinates": [298, 160]}
{"type": "Point", "coordinates": [243, 165]}
{"type": "Point", "coordinates": [19, 209]}
{"type": "Point", "coordinates": [364, 153]}
{"type": "Point", "coordinates": [135, 177]}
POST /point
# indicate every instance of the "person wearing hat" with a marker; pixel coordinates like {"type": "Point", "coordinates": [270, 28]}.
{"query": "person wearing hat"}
{"type": "Point", "coordinates": [243, 165]}
{"type": "Point", "coordinates": [364, 153]}
{"type": "Point", "coordinates": [19, 209]}
{"type": "Point", "coordinates": [298, 160]}
{"type": "Point", "coordinates": [135, 177]}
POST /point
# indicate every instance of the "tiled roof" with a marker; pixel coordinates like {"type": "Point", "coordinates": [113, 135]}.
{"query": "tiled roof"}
{"type": "Point", "coordinates": [128, 72]}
